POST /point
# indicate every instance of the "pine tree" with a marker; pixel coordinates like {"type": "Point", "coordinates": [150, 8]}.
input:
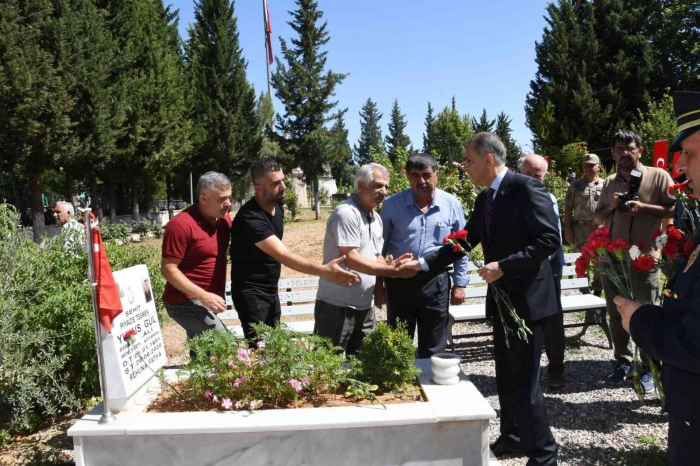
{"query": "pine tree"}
{"type": "Point", "coordinates": [397, 138]}
{"type": "Point", "coordinates": [340, 153]}
{"type": "Point", "coordinates": [428, 135]}
{"type": "Point", "coordinates": [370, 133]}
{"type": "Point", "coordinates": [34, 122]}
{"type": "Point", "coordinates": [483, 125]}
{"type": "Point", "coordinates": [305, 89]}
{"type": "Point", "coordinates": [503, 130]}
{"type": "Point", "coordinates": [224, 111]}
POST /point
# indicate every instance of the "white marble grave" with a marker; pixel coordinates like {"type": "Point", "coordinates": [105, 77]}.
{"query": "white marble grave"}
{"type": "Point", "coordinates": [450, 428]}
{"type": "Point", "coordinates": [129, 367]}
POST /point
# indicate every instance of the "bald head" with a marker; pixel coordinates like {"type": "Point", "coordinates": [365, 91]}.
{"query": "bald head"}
{"type": "Point", "coordinates": [534, 166]}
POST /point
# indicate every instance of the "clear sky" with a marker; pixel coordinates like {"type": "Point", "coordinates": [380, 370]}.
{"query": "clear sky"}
{"type": "Point", "coordinates": [482, 52]}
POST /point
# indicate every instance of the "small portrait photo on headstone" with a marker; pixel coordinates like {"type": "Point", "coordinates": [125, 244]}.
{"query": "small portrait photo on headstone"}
{"type": "Point", "coordinates": [147, 291]}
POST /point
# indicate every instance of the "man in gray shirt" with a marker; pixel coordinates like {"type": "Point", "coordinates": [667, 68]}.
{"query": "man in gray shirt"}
{"type": "Point", "coordinates": [354, 230]}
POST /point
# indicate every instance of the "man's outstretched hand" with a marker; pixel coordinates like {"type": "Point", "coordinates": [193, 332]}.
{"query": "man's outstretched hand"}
{"type": "Point", "coordinates": [336, 274]}
{"type": "Point", "coordinates": [403, 272]}
{"type": "Point", "coordinates": [490, 272]}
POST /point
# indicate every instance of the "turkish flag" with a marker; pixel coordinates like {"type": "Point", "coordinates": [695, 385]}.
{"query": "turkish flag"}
{"type": "Point", "coordinates": [268, 34]}
{"type": "Point", "coordinates": [675, 173]}
{"type": "Point", "coordinates": [661, 154]}
{"type": "Point", "coordinates": [108, 303]}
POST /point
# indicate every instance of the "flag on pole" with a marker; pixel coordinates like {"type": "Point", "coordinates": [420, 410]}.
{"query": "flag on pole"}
{"type": "Point", "coordinates": [661, 154]}
{"type": "Point", "coordinates": [107, 294]}
{"type": "Point", "coordinates": [268, 34]}
{"type": "Point", "coordinates": [676, 173]}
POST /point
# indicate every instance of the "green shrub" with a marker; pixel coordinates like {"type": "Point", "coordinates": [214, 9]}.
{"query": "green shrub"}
{"type": "Point", "coordinates": [386, 358]}
{"type": "Point", "coordinates": [157, 229]}
{"type": "Point", "coordinates": [291, 203]}
{"type": "Point", "coordinates": [4, 438]}
{"type": "Point", "coordinates": [143, 227]}
{"type": "Point", "coordinates": [286, 366]}
{"type": "Point", "coordinates": [48, 361]}
{"type": "Point", "coordinates": [118, 231]}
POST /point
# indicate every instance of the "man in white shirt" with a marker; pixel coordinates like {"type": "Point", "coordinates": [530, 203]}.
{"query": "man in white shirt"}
{"type": "Point", "coordinates": [63, 213]}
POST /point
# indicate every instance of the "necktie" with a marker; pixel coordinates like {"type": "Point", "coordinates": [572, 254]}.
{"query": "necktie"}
{"type": "Point", "coordinates": [488, 207]}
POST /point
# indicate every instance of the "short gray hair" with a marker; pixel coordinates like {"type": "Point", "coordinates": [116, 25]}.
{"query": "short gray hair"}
{"type": "Point", "coordinates": [211, 179]}
{"type": "Point", "coordinates": [68, 207]}
{"type": "Point", "coordinates": [489, 143]}
{"type": "Point", "coordinates": [366, 174]}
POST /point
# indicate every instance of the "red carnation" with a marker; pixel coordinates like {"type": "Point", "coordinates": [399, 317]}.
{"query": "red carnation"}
{"type": "Point", "coordinates": [643, 263]}
{"type": "Point", "coordinates": [129, 334]}
{"type": "Point", "coordinates": [687, 247]}
{"type": "Point", "coordinates": [640, 244]}
{"type": "Point", "coordinates": [673, 234]}
{"type": "Point", "coordinates": [670, 250]}
{"type": "Point", "coordinates": [691, 196]}
{"type": "Point", "coordinates": [672, 190]}
{"type": "Point", "coordinates": [457, 247]}
{"type": "Point", "coordinates": [461, 234]}
{"type": "Point", "coordinates": [618, 245]}
{"type": "Point", "coordinates": [656, 233]}
{"type": "Point", "coordinates": [582, 265]}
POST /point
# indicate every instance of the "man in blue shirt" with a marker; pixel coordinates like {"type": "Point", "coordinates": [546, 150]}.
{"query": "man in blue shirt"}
{"type": "Point", "coordinates": [416, 221]}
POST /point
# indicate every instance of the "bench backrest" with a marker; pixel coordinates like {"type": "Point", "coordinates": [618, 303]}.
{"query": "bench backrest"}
{"type": "Point", "coordinates": [477, 286]}
{"type": "Point", "coordinates": [297, 297]}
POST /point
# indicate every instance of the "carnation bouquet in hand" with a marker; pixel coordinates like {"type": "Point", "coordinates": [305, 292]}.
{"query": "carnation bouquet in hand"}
{"type": "Point", "coordinates": [690, 216]}
{"type": "Point", "coordinates": [506, 310]}
{"type": "Point", "coordinates": [616, 260]}
{"type": "Point", "coordinates": [675, 245]}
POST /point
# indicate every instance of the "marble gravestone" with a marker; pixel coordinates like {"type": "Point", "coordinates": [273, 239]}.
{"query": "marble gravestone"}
{"type": "Point", "coordinates": [130, 366]}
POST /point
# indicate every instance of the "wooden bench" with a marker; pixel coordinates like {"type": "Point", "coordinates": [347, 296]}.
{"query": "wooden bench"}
{"type": "Point", "coordinates": [593, 305]}
{"type": "Point", "coordinates": [297, 298]}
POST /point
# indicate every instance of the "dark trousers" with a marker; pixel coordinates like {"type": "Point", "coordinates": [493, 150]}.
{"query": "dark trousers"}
{"type": "Point", "coordinates": [421, 301]}
{"type": "Point", "coordinates": [555, 339]}
{"type": "Point", "coordinates": [256, 307]}
{"type": "Point", "coordinates": [683, 435]}
{"type": "Point", "coordinates": [523, 411]}
{"type": "Point", "coordinates": [195, 319]}
{"type": "Point", "coordinates": [345, 326]}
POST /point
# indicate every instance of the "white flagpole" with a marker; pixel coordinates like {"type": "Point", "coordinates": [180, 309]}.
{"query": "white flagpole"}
{"type": "Point", "coordinates": [107, 416]}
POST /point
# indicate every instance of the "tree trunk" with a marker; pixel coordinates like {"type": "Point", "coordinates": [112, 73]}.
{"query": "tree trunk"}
{"type": "Point", "coordinates": [38, 223]}
{"type": "Point", "coordinates": [70, 182]}
{"type": "Point", "coordinates": [112, 201]}
{"type": "Point", "coordinates": [135, 215]}
{"type": "Point", "coordinates": [317, 200]}
{"type": "Point", "coordinates": [168, 194]}
{"type": "Point", "coordinates": [147, 203]}
{"type": "Point", "coordinates": [95, 205]}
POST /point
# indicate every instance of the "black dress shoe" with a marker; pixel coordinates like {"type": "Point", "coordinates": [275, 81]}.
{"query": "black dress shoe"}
{"type": "Point", "coordinates": [505, 446]}
{"type": "Point", "coordinates": [557, 379]}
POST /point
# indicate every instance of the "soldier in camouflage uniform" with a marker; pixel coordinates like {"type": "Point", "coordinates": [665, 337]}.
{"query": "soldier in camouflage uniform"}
{"type": "Point", "coordinates": [581, 202]}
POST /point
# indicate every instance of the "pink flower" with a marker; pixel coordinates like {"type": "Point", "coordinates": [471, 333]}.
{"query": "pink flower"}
{"type": "Point", "coordinates": [237, 383]}
{"type": "Point", "coordinates": [254, 404]}
{"type": "Point", "coordinates": [306, 380]}
{"type": "Point", "coordinates": [226, 403]}
{"type": "Point", "coordinates": [207, 394]}
{"type": "Point", "coordinates": [261, 344]}
{"type": "Point", "coordinates": [231, 363]}
{"type": "Point", "coordinates": [244, 357]}
{"type": "Point", "coordinates": [238, 404]}
{"type": "Point", "coordinates": [296, 385]}
{"type": "Point", "coordinates": [215, 399]}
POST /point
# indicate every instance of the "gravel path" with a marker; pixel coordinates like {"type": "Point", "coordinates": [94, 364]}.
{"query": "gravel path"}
{"type": "Point", "coordinates": [593, 424]}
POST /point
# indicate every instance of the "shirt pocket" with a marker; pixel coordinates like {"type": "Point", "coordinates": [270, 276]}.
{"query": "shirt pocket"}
{"type": "Point", "coordinates": [442, 229]}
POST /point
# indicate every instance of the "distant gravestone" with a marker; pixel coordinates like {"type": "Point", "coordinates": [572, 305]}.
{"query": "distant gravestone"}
{"type": "Point", "coordinates": [128, 367]}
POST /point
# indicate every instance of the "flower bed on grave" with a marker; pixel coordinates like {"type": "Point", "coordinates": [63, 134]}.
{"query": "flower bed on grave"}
{"type": "Point", "coordinates": [287, 369]}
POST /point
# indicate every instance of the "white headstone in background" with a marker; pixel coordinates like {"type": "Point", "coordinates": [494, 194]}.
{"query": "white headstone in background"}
{"type": "Point", "coordinates": [129, 367]}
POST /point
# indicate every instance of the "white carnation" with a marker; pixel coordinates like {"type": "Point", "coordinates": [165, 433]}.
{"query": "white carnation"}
{"type": "Point", "coordinates": [661, 241]}
{"type": "Point", "coordinates": [634, 252]}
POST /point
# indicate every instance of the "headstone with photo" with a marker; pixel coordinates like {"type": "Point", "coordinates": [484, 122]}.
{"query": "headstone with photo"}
{"type": "Point", "coordinates": [131, 365]}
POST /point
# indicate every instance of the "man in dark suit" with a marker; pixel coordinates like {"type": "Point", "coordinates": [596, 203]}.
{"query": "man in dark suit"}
{"type": "Point", "coordinates": [514, 221]}
{"type": "Point", "coordinates": [671, 332]}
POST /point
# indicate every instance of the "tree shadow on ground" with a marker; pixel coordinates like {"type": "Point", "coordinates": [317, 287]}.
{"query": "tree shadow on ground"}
{"type": "Point", "coordinates": [601, 416]}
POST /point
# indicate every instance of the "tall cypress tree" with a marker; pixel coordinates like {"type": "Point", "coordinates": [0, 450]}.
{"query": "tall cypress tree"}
{"type": "Point", "coordinates": [370, 133]}
{"type": "Point", "coordinates": [504, 131]}
{"type": "Point", "coordinates": [340, 152]}
{"type": "Point", "coordinates": [397, 138]}
{"type": "Point", "coordinates": [34, 123]}
{"type": "Point", "coordinates": [428, 135]}
{"type": "Point", "coordinates": [226, 127]}
{"type": "Point", "coordinates": [305, 88]}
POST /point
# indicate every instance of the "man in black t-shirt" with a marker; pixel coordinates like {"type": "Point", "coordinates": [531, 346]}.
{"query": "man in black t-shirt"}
{"type": "Point", "coordinates": [257, 251]}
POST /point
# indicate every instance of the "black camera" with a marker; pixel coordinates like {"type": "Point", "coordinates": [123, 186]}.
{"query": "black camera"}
{"type": "Point", "coordinates": [631, 195]}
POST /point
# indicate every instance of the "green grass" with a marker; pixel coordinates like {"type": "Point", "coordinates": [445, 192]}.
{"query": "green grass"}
{"type": "Point", "coordinates": [650, 453]}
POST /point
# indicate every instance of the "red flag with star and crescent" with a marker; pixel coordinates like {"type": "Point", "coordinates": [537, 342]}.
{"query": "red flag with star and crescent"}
{"type": "Point", "coordinates": [108, 302]}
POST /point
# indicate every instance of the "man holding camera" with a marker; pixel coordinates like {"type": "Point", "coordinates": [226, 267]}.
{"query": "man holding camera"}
{"type": "Point", "coordinates": [632, 204]}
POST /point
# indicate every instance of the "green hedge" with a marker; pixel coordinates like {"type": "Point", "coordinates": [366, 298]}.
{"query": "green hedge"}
{"type": "Point", "coordinates": [48, 361]}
